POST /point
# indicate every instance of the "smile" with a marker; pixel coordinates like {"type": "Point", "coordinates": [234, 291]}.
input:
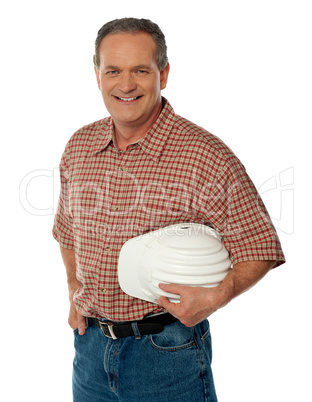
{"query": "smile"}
{"type": "Point", "coordinates": [128, 99]}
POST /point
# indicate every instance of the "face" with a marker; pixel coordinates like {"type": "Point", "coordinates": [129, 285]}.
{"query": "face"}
{"type": "Point", "coordinates": [129, 79]}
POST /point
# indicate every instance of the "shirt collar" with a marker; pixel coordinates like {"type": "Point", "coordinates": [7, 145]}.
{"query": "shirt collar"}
{"type": "Point", "coordinates": [152, 143]}
{"type": "Point", "coordinates": [105, 135]}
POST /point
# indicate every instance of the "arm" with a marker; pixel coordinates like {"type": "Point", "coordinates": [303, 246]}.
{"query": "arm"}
{"type": "Point", "coordinates": [75, 320]}
{"type": "Point", "coordinates": [196, 304]}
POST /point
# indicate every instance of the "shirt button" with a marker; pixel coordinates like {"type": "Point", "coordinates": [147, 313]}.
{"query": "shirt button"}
{"type": "Point", "coordinates": [122, 168]}
{"type": "Point", "coordinates": [115, 208]}
{"type": "Point", "coordinates": [107, 248]}
{"type": "Point", "coordinates": [104, 290]}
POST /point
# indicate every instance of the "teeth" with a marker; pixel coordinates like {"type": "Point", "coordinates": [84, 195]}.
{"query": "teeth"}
{"type": "Point", "coordinates": [128, 99]}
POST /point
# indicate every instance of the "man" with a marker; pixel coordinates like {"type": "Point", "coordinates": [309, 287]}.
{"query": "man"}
{"type": "Point", "coordinates": [142, 169]}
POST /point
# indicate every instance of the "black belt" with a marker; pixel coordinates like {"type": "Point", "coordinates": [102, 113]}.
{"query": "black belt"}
{"type": "Point", "coordinates": [147, 326]}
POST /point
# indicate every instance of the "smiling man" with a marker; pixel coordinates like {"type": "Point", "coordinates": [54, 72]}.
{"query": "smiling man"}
{"type": "Point", "coordinates": [142, 169]}
{"type": "Point", "coordinates": [130, 82]}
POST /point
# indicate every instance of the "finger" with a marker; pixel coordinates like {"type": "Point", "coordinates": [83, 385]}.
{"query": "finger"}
{"type": "Point", "coordinates": [81, 324]}
{"type": "Point", "coordinates": [172, 308]}
{"type": "Point", "coordinates": [164, 302]}
{"type": "Point", "coordinates": [171, 288]}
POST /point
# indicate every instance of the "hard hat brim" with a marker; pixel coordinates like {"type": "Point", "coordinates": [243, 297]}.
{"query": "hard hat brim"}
{"type": "Point", "coordinates": [129, 263]}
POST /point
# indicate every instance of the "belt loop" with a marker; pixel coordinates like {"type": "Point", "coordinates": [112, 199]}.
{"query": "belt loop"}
{"type": "Point", "coordinates": [88, 321]}
{"type": "Point", "coordinates": [136, 330]}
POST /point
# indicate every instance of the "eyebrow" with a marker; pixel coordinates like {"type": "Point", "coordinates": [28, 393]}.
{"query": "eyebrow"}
{"type": "Point", "coordinates": [111, 67]}
{"type": "Point", "coordinates": [142, 67]}
{"type": "Point", "coordinates": [138, 67]}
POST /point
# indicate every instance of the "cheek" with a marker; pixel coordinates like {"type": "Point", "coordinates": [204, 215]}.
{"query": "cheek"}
{"type": "Point", "coordinates": [153, 89]}
{"type": "Point", "coordinates": [105, 89]}
{"type": "Point", "coordinates": [105, 86]}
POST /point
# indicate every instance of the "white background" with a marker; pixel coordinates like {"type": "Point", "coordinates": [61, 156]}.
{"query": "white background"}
{"type": "Point", "coordinates": [242, 69]}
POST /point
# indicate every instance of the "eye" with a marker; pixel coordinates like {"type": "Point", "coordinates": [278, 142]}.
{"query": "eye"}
{"type": "Point", "coordinates": [111, 72]}
{"type": "Point", "coordinates": [141, 72]}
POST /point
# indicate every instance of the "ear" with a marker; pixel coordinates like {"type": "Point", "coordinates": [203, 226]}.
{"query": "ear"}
{"type": "Point", "coordinates": [164, 76]}
{"type": "Point", "coordinates": [97, 74]}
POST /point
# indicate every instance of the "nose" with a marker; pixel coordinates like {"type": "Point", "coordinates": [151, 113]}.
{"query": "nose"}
{"type": "Point", "coordinates": [127, 83]}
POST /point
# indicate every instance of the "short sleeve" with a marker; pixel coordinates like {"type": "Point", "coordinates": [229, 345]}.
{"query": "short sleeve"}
{"type": "Point", "coordinates": [248, 231]}
{"type": "Point", "coordinates": [63, 221]}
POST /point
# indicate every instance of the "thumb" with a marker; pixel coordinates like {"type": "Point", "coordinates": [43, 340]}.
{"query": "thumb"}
{"type": "Point", "coordinates": [171, 288]}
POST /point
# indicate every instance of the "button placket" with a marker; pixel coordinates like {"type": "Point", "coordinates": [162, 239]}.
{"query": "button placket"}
{"type": "Point", "coordinates": [125, 160]}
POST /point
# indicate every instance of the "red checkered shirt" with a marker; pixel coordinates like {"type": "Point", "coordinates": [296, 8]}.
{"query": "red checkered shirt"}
{"type": "Point", "coordinates": [177, 173]}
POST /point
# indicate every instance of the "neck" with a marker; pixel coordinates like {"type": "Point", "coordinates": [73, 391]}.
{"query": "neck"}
{"type": "Point", "coordinates": [126, 134]}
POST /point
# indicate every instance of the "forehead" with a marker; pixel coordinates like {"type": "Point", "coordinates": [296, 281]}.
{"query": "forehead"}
{"type": "Point", "coordinates": [139, 48]}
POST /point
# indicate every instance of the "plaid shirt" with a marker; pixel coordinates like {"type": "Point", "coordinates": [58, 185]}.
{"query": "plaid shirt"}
{"type": "Point", "coordinates": [177, 173]}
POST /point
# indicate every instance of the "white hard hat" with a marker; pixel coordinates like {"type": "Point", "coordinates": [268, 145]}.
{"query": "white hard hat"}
{"type": "Point", "coordinates": [189, 254]}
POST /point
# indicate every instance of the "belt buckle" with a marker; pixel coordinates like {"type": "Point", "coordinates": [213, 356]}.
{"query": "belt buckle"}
{"type": "Point", "coordinates": [109, 325]}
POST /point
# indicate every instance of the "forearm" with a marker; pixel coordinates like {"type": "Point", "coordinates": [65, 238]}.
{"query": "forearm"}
{"type": "Point", "coordinates": [75, 319]}
{"type": "Point", "coordinates": [197, 303]}
{"type": "Point", "coordinates": [242, 277]}
{"type": "Point", "coordinates": [70, 265]}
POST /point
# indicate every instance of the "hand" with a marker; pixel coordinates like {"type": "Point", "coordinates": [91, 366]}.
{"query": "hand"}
{"type": "Point", "coordinates": [196, 303]}
{"type": "Point", "coordinates": [76, 320]}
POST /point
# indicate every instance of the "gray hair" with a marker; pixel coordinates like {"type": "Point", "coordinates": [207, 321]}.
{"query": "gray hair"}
{"type": "Point", "coordinates": [134, 25]}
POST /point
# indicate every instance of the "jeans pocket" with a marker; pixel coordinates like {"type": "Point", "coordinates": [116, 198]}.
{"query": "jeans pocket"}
{"type": "Point", "coordinates": [174, 337]}
{"type": "Point", "coordinates": [204, 341]}
{"type": "Point", "coordinates": [205, 335]}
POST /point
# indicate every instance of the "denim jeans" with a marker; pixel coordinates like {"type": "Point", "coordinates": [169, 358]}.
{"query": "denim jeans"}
{"type": "Point", "coordinates": [174, 365]}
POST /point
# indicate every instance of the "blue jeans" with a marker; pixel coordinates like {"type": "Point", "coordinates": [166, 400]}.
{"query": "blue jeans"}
{"type": "Point", "coordinates": [174, 365]}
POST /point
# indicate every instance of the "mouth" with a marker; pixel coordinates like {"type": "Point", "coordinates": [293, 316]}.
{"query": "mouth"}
{"type": "Point", "coordinates": [128, 99]}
